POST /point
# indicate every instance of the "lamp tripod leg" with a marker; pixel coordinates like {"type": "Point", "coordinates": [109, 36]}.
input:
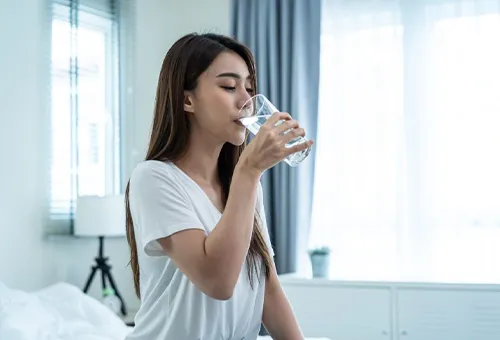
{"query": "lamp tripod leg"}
{"type": "Point", "coordinates": [90, 278]}
{"type": "Point", "coordinates": [117, 293]}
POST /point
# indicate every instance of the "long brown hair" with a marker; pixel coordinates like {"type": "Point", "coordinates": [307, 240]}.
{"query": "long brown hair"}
{"type": "Point", "coordinates": [186, 60]}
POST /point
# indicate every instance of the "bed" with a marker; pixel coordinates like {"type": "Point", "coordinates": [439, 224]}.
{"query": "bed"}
{"type": "Point", "coordinates": [59, 312]}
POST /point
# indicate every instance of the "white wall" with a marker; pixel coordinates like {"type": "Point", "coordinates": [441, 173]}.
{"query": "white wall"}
{"type": "Point", "coordinates": [24, 260]}
{"type": "Point", "coordinates": [159, 24]}
{"type": "Point", "coordinates": [27, 259]}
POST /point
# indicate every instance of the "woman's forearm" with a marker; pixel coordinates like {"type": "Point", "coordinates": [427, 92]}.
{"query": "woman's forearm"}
{"type": "Point", "coordinates": [278, 316]}
{"type": "Point", "coordinates": [227, 245]}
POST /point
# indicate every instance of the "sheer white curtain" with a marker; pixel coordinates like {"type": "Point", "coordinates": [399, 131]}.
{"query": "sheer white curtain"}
{"type": "Point", "coordinates": [408, 150]}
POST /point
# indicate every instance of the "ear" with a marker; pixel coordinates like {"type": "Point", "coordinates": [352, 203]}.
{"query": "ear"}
{"type": "Point", "coordinates": [188, 102]}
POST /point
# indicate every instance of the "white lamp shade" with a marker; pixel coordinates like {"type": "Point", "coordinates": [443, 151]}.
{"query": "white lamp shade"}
{"type": "Point", "coordinates": [100, 216]}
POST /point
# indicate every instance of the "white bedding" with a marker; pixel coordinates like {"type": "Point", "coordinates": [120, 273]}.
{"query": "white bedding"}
{"type": "Point", "coordinates": [58, 312]}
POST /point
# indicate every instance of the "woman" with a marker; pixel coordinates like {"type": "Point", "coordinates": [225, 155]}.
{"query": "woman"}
{"type": "Point", "coordinates": [200, 251]}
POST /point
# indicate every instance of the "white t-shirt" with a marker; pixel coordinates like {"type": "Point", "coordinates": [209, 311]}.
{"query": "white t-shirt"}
{"type": "Point", "coordinates": [164, 200]}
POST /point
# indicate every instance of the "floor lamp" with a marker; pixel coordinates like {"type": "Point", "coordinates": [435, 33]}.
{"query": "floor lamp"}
{"type": "Point", "coordinates": [101, 217]}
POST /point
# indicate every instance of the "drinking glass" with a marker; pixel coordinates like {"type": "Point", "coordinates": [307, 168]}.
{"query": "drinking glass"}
{"type": "Point", "coordinates": [256, 111]}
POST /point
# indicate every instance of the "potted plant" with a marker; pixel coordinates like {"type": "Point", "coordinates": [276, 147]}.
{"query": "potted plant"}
{"type": "Point", "coordinates": [320, 261]}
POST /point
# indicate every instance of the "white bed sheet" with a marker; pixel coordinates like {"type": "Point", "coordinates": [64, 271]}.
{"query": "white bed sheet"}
{"type": "Point", "coordinates": [58, 312]}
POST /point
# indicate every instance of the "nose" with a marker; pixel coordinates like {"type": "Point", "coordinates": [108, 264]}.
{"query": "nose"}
{"type": "Point", "coordinates": [242, 99]}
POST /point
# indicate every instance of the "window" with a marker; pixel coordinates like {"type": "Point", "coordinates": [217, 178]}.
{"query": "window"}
{"type": "Point", "coordinates": [85, 113]}
{"type": "Point", "coordinates": [408, 140]}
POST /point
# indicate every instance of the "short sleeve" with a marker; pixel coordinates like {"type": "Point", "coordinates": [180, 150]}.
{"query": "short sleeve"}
{"type": "Point", "coordinates": [262, 215]}
{"type": "Point", "coordinates": [159, 206]}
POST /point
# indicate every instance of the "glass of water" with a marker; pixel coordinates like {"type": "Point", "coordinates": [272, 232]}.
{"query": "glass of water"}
{"type": "Point", "coordinates": [256, 111]}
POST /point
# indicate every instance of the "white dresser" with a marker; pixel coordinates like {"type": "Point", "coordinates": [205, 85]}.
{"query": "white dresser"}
{"type": "Point", "coordinates": [394, 311]}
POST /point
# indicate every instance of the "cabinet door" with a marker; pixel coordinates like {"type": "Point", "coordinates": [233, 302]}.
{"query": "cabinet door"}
{"type": "Point", "coordinates": [430, 314]}
{"type": "Point", "coordinates": [341, 313]}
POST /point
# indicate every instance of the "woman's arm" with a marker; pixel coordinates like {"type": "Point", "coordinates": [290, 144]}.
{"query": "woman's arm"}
{"type": "Point", "coordinates": [213, 263]}
{"type": "Point", "coordinates": [278, 317]}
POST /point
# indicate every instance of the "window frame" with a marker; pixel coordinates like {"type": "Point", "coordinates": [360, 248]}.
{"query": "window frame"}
{"type": "Point", "coordinates": [106, 23]}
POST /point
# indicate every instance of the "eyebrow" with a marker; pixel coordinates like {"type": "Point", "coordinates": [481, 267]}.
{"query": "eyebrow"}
{"type": "Point", "coordinates": [231, 75]}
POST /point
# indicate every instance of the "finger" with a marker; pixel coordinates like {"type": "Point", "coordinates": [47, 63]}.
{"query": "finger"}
{"type": "Point", "coordinates": [299, 147]}
{"type": "Point", "coordinates": [287, 125]}
{"type": "Point", "coordinates": [277, 116]}
{"type": "Point", "coordinates": [293, 134]}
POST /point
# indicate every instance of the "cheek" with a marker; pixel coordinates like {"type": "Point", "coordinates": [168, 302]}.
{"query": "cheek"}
{"type": "Point", "coordinates": [222, 107]}
{"type": "Point", "coordinates": [224, 99]}
{"type": "Point", "coordinates": [216, 109]}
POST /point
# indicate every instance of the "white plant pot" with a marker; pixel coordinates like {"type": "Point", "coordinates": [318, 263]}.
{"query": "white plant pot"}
{"type": "Point", "coordinates": [320, 264]}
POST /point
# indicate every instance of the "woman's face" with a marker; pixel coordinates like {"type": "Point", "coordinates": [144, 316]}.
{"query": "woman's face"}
{"type": "Point", "coordinates": [215, 103]}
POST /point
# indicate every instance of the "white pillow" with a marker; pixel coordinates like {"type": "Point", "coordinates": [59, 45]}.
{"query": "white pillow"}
{"type": "Point", "coordinates": [58, 312]}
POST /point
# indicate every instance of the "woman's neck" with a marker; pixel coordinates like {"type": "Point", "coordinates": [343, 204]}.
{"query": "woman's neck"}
{"type": "Point", "coordinates": [201, 160]}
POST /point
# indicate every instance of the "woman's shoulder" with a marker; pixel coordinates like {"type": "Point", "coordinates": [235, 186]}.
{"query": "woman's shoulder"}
{"type": "Point", "coordinates": [151, 171]}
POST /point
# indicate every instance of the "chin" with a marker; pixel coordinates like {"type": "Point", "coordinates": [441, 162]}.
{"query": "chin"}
{"type": "Point", "coordinates": [236, 142]}
{"type": "Point", "coordinates": [235, 136]}
{"type": "Point", "coordinates": [236, 139]}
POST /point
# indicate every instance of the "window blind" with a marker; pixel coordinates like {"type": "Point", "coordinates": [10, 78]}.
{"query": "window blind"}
{"type": "Point", "coordinates": [85, 110]}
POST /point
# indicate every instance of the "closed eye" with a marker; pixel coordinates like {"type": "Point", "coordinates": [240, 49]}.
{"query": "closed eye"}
{"type": "Point", "coordinates": [232, 88]}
